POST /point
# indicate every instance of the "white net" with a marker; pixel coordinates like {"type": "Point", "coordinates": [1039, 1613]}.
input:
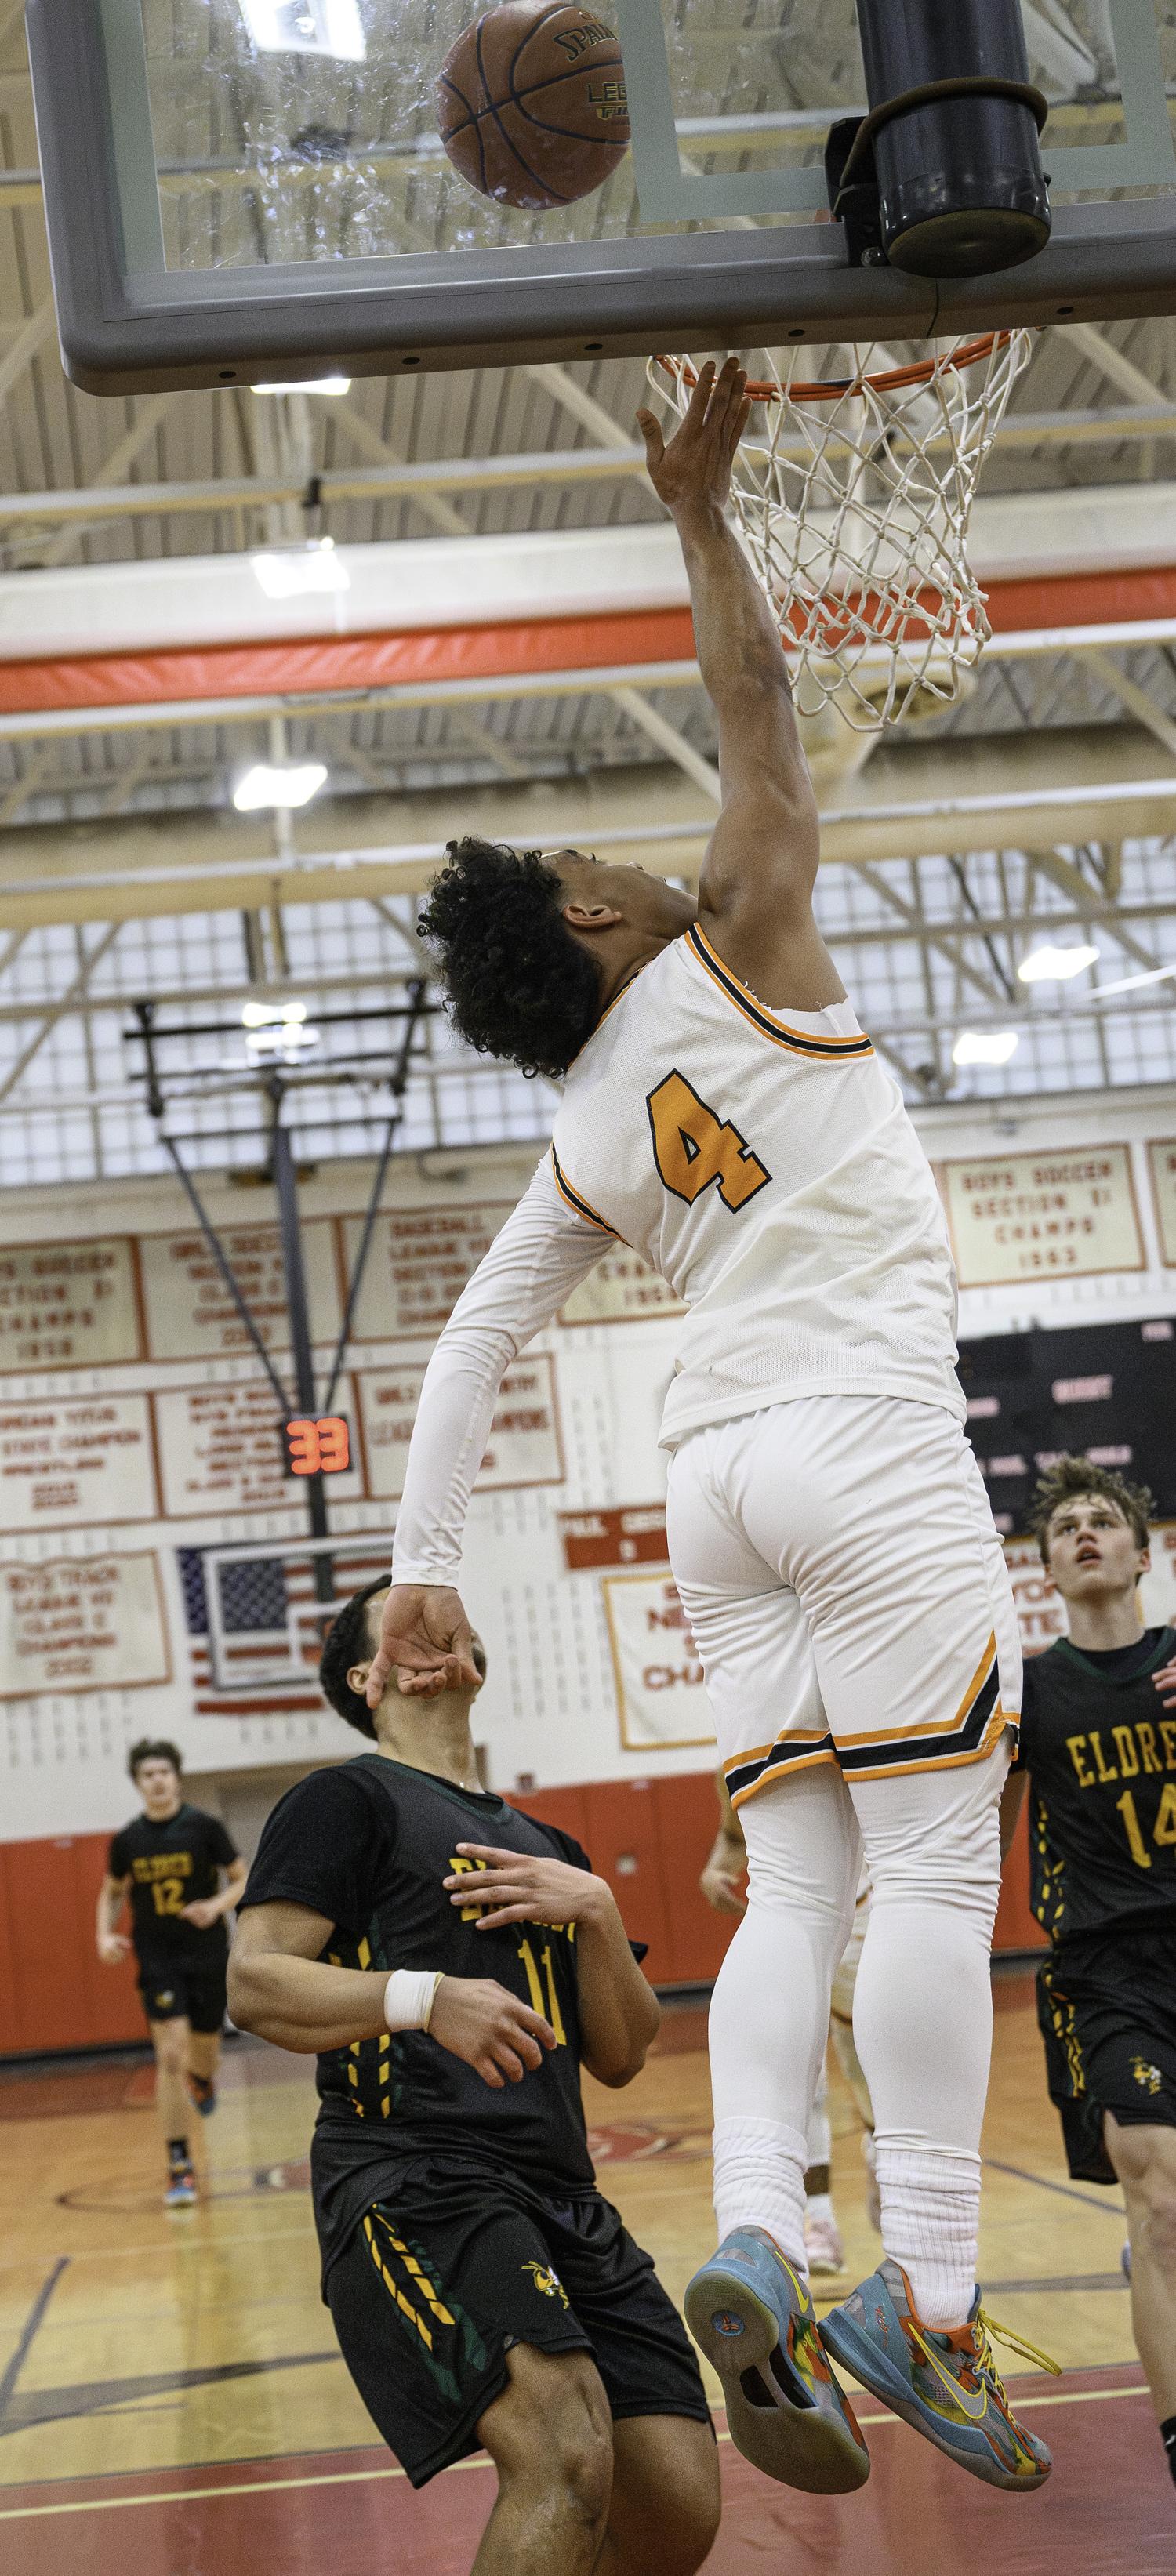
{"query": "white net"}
{"type": "Point", "coordinates": [854, 495]}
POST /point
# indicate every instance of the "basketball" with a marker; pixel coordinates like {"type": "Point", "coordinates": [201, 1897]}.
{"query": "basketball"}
{"type": "Point", "coordinates": [531, 104]}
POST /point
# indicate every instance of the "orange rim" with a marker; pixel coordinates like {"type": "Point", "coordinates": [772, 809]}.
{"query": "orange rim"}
{"type": "Point", "coordinates": [890, 380]}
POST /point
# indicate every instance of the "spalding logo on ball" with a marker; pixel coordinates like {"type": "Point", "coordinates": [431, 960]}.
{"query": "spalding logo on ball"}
{"type": "Point", "coordinates": [531, 104]}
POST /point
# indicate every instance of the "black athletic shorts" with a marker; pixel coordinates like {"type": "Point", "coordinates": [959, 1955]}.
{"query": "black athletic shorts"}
{"type": "Point", "coordinates": [1106, 2007]}
{"type": "Point", "coordinates": [437, 2283]}
{"type": "Point", "coordinates": [182, 1993]}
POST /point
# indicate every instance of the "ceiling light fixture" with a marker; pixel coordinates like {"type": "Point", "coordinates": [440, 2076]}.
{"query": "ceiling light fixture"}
{"type": "Point", "coordinates": [308, 385]}
{"type": "Point", "coordinates": [286, 787]}
{"type": "Point", "coordinates": [264, 1015]}
{"type": "Point", "coordinates": [984, 1046]}
{"type": "Point", "coordinates": [294, 573]}
{"type": "Point", "coordinates": [1055, 965]}
{"type": "Point", "coordinates": [307, 27]}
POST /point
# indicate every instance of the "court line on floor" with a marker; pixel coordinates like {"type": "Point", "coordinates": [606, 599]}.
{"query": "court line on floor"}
{"type": "Point", "coordinates": [1064, 2190]}
{"type": "Point", "coordinates": [167, 2244]}
{"type": "Point", "coordinates": [95, 2396]}
{"type": "Point", "coordinates": [27, 2336]}
{"type": "Point", "coordinates": [373, 2477]}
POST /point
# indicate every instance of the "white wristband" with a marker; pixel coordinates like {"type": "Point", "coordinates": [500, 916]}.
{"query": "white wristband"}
{"type": "Point", "coordinates": [409, 1997]}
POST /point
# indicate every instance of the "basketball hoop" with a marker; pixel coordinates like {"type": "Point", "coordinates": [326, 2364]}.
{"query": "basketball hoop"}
{"type": "Point", "coordinates": [854, 506]}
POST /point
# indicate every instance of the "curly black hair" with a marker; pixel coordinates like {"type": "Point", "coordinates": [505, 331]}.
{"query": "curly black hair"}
{"type": "Point", "coordinates": [519, 985]}
{"type": "Point", "coordinates": [1070, 1476]}
{"type": "Point", "coordinates": [350, 1641]}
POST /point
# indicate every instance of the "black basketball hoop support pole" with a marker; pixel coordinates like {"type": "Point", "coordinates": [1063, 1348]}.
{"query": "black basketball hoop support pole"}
{"type": "Point", "coordinates": [285, 1180]}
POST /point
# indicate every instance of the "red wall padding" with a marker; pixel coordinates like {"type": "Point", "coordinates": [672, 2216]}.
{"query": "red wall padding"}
{"type": "Point", "coordinates": [667, 1827]}
{"type": "Point", "coordinates": [1016, 1928]}
{"type": "Point", "coordinates": [54, 1993]}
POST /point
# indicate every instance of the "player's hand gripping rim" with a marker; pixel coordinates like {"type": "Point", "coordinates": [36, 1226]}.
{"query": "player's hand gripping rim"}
{"type": "Point", "coordinates": [425, 1633]}
{"type": "Point", "coordinates": [492, 2031]}
{"type": "Point", "coordinates": [518, 1887]}
{"type": "Point", "coordinates": [696, 466]}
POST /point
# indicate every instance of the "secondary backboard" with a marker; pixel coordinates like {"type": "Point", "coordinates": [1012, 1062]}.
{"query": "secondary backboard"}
{"type": "Point", "coordinates": [240, 191]}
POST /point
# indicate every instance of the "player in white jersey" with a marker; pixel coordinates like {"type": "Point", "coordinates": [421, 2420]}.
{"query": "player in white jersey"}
{"type": "Point", "coordinates": [723, 1114]}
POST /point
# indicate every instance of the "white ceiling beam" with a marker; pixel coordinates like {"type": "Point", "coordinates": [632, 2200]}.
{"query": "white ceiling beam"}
{"type": "Point", "coordinates": [481, 738]}
{"type": "Point", "coordinates": [667, 737]}
{"type": "Point", "coordinates": [582, 406]}
{"type": "Point", "coordinates": [26, 785]}
{"type": "Point", "coordinates": [494, 473]}
{"type": "Point", "coordinates": [386, 483]}
{"type": "Point", "coordinates": [1090, 900]}
{"type": "Point", "coordinates": [426, 498]}
{"type": "Point", "coordinates": [73, 992]}
{"type": "Point", "coordinates": [147, 419]}
{"type": "Point", "coordinates": [324, 988]}
{"type": "Point", "coordinates": [171, 864]}
{"type": "Point", "coordinates": [32, 335]}
{"type": "Point", "coordinates": [1057, 51]}
{"type": "Point", "coordinates": [1117, 369]}
{"type": "Point", "coordinates": [937, 935]}
{"type": "Point", "coordinates": [1136, 700]}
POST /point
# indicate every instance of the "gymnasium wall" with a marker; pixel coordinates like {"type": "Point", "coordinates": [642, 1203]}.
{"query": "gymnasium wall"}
{"type": "Point", "coordinates": [135, 1437]}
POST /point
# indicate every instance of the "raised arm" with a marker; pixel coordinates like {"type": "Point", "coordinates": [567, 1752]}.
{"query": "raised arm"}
{"type": "Point", "coordinates": [755, 892]}
{"type": "Point", "coordinates": [542, 1253]}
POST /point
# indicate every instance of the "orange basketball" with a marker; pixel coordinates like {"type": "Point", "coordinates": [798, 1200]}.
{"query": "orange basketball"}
{"type": "Point", "coordinates": [531, 103]}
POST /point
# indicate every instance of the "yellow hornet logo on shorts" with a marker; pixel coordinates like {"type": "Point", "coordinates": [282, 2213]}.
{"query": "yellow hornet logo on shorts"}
{"type": "Point", "coordinates": [1149, 2076]}
{"type": "Point", "coordinates": [547, 2281]}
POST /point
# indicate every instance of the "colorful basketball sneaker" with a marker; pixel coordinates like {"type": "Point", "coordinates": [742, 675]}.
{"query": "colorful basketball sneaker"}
{"type": "Point", "coordinates": [181, 2188]}
{"type": "Point", "coordinates": [946, 2384]}
{"type": "Point", "coordinates": [202, 2094]}
{"type": "Point", "coordinates": [754, 2320]}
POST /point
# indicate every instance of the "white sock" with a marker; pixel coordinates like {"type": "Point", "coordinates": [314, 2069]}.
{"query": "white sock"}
{"type": "Point", "coordinates": [820, 2205]}
{"type": "Point", "coordinates": [759, 2182]}
{"type": "Point", "coordinates": [930, 2221]}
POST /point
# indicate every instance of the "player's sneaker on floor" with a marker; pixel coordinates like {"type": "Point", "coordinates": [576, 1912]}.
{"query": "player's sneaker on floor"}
{"type": "Point", "coordinates": [946, 2384]}
{"type": "Point", "coordinates": [822, 2241]}
{"type": "Point", "coordinates": [753, 2318]}
{"type": "Point", "coordinates": [202, 2094]}
{"type": "Point", "coordinates": [181, 2188]}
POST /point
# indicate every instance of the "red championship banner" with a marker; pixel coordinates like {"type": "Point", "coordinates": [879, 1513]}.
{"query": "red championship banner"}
{"type": "Point", "coordinates": [633, 1535]}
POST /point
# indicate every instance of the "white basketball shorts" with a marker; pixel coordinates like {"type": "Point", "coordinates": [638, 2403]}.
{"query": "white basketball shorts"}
{"type": "Point", "coordinates": [846, 1588]}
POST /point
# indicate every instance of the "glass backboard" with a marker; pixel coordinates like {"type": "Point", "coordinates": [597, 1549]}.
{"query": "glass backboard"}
{"type": "Point", "coordinates": [240, 190]}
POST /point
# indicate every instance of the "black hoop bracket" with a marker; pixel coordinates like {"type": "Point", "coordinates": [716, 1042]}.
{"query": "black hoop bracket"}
{"type": "Point", "coordinates": [850, 176]}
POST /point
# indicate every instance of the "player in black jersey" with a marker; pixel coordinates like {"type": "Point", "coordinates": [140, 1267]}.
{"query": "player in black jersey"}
{"type": "Point", "coordinates": [482, 2290]}
{"type": "Point", "coordinates": [171, 1861]}
{"type": "Point", "coordinates": [1099, 1754]}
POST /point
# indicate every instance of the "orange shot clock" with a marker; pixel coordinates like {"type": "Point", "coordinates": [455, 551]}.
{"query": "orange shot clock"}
{"type": "Point", "coordinates": [316, 1446]}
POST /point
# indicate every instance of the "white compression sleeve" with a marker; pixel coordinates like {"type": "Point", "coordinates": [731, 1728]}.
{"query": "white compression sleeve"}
{"type": "Point", "coordinates": [542, 1253]}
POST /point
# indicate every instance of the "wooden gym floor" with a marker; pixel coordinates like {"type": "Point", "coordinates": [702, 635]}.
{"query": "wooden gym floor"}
{"type": "Point", "coordinates": [170, 2393]}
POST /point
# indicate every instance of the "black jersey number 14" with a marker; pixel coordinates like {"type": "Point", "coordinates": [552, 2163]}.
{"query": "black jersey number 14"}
{"type": "Point", "coordinates": [1163, 1831]}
